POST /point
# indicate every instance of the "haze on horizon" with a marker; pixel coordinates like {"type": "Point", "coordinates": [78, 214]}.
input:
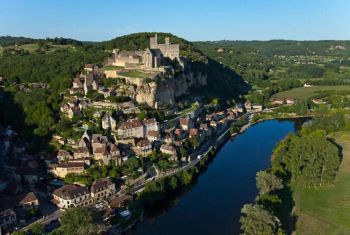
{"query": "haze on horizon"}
{"type": "Point", "coordinates": [195, 21]}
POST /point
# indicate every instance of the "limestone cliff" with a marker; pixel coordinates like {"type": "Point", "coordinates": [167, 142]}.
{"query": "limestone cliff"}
{"type": "Point", "coordinates": [164, 92]}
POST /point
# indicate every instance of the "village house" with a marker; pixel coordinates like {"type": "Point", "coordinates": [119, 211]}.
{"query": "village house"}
{"type": "Point", "coordinates": [108, 122]}
{"type": "Point", "coordinates": [8, 218]}
{"type": "Point", "coordinates": [131, 128]}
{"type": "Point", "coordinates": [119, 201]}
{"type": "Point", "coordinates": [100, 153]}
{"type": "Point", "coordinates": [231, 114]}
{"type": "Point", "coordinates": [257, 107]}
{"type": "Point", "coordinates": [205, 128]}
{"type": "Point", "coordinates": [85, 140]}
{"type": "Point", "coordinates": [153, 136]}
{"type": "Point", "coordinates": [63, 155]}
{"type": "Point", "coordinates": [69, 196]}
{"type": "Point", "coordinates": [27, 175]}
{"type": "Point", "coordinates": [30, 200]}
{"type": "Point", "coordinates": [143, 147]}
{"type": "Point", "coordinates": [290, 101]}
{"type": "Point", "coordinates": [168, 149]}
{"type": "Point", "coordinates": [113, 154]}
{"type": "Point", "coordinates": [186, 123]}
{"type": "Point", "coordinates": [168, 139]}
{"type": "Point", "coordinates": [150, 125]}
{"type": "Point", "coordinates": [180, 134]}
{"type": "Point", "coordinates": [62, 169]}
{"type": "Point", "coordinates": [102, 189]}
{"type": "Point", "coordinates": [103, 91]}
{"type": "Point", "coordinates": [248, 106]}
{"type": "Point", "coordinates": [81, 152]}
{"type": "Point", "coordinates": [98, 141]}
{"type": "Point", "coordinates": [86, 161]}
{"type": "Point", "coordinates": [70, 110]}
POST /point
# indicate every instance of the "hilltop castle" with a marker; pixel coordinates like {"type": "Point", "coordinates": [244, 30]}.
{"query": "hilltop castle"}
{"type": "Point", "coordinates": [152, 57]}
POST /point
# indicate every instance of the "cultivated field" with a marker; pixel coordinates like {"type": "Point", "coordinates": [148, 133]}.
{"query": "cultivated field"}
{"type": "Point", "coordinates": [327, 210]}
{"type": "Point", "coordinates": [304, 93]}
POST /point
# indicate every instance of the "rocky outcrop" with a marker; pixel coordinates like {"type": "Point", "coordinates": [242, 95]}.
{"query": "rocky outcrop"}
{"type": "Point", "coordinates": [164, 92]}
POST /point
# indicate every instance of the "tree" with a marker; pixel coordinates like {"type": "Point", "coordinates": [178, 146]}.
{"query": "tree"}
{"type": "Point", "coordinates": [310, 159]}
{"type": "Point", "coordinates": [267, 182]}
{"type": "Point", "coordinates": [256, 220]}
{"type": "Point", "coordinates": [185, 177]}
{"type": "Point", "coordinates": [171, 183]}
{"type": "Point", "coordinates": [79, 221]}
{"type": "Point", "coordinates": [37, 229]}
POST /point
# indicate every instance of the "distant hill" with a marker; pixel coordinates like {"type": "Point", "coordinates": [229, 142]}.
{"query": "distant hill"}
{"type": "Point", "coordinates": [11, 41]}
{"type": "Point", "coordinates": [287, 47]}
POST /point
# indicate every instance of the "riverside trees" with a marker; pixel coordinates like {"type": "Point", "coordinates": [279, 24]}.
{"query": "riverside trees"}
{"type": "Point", "coordinates": [307, 159]}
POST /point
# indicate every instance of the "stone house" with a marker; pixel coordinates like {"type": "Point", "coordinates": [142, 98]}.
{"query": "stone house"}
{"type": "Point", "coordinates": [257, 107]}
{"type": "Point", "coordinates": [70, 196]}
{"type": "Point", "coordinates": [85, 140]}
{"type": "Point", "coordinates": [63, 155]}
{"type": "Point", "coordinates": [62, 169]}
{"type": "Point", "coordinates": [108, 122]}
{"type": "Point", "coordinates": [30, 200]}
{"type": "Point", "coordinates": [102, 189]}
{"type": "Point", "coordinates": [168, 149]}
{"type": "Point", "coordinates": [8, 218]}
{"type": "Point", "coordinates": [112, 154]}
{"type": "Point", "coordinates": [206, 129]}
{"type": "Point", "coordinates": [81, 152]}
{"type": "Point", "coordinates": [180, 134]}
{"type": "Point", "coordinates": [150, 125]}
{"type": "Point", "coordinates": [27, 175]}
{"type": "Point", "coordinates": [98, 141]}
{"type": "Point", "coordinates": [153, 136]}
{"type": "Point", "coordinates": [143, 147]}
{"type": "Point", "coordinates": [131, 128]}
{"type": "Point", "coordinates": [168, 139]}
{"type": "Point", "coordinates": [186, 123]}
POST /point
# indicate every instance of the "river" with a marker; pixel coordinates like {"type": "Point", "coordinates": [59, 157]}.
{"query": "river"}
{"type": "Point", "coordinates": [212, 204]}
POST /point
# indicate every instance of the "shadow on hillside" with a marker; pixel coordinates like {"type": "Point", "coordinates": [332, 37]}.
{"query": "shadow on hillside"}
{"type": "Point", "coordinates": [222, 82]}
{"type": "Point", "coordinates": [12, 114]}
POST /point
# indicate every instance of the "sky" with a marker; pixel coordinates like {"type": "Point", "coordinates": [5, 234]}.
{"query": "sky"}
{"type": "Point", "coordinates": [194, 20]}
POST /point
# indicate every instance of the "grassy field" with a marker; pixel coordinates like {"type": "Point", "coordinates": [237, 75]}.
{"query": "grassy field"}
{"type": "Point", "coordinates": [304, 93]}
{"type": "Point", "coordinates": [327, 210]}
{"type": "Point", "coordinates": [31, 47]}
{"type": "Point", "coordinates": [136, 74]}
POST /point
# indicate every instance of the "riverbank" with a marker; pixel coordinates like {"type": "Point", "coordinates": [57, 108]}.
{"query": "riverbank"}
{"type": "Point", "coordinates": [213, 190]}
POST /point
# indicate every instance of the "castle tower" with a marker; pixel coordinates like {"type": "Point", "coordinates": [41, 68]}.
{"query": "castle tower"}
{"type": "Point", "coordinates": [153, 41]}
{"type": "Point", "coordinates": [167, 41]}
